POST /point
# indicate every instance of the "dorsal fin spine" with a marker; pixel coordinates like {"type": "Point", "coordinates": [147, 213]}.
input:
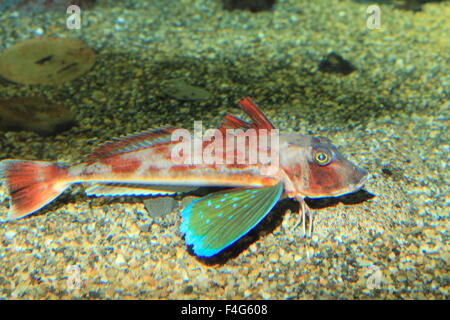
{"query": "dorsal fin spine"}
{"type": "Point", "coordinates": [132, 142]}
{"type": "Point", "coordinates": [258, 118]}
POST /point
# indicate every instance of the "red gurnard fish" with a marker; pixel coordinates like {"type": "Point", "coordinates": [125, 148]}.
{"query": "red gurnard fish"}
{"type": "Point", "coordinates": [142, 164]}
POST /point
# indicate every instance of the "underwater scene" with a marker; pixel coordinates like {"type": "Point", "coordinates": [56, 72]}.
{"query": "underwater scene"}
{"type": "Point", "coordinates": [224, 149]}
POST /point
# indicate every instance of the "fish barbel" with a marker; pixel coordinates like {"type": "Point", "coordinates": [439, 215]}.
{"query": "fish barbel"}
{"type": "Point", "coordinates": [142, 164]}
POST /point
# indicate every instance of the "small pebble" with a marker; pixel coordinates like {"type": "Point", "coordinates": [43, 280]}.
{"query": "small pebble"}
{"type": "Point", "coordinates": [39, 31]}
{"type": "Point", "coordinates": [9, 235]}
{"type": "Point", "coordinates": [120, 259]}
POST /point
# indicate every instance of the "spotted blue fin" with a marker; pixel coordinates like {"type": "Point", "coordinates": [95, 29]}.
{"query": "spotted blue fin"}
{"type": "Point", "coordinates": [216, 221]}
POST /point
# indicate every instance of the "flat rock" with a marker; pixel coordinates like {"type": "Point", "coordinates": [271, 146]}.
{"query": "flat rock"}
{"type": "Point", "coordinates": [46, 61]}
{"type": "Point", "coordinates": [180, 90]}
{"type": "Point", "coordinates": [34, 114]}
{"type": "Point", "coordinates": [161, 206]}
{"type": "Point", "coordinates": [334, 63]}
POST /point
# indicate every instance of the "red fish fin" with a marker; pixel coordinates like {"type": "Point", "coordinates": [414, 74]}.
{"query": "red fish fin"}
{"type": "Point", "coordinates": [233, 122]}
{"type": "Point", "coordinates": [31, 185]}
{"type": "Point", "coordinates": [133, 142]}
{"type": "Point", "coordinates": [258, 118]}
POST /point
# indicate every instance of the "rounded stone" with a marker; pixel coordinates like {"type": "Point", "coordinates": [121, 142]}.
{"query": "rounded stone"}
{"type": "Point", "coordinates": [46, 61]}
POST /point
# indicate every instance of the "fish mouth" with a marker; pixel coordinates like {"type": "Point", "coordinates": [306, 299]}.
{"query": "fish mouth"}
{"type": "Point", "coordinates": [353, 187]}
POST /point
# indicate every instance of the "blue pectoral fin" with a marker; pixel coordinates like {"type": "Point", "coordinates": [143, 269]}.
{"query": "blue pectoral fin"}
{"type": "Point", "coordinates": [216, 221]}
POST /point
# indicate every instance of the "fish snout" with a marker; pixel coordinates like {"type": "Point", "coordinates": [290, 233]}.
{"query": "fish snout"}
{"type": "Point", "coordinates": [359, 177]}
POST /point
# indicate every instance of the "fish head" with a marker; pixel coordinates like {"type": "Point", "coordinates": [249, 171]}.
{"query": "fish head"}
{"type": "Point", "coordinates": [317, 169]}
{"type": "Point", "coordinates": [330, 174]}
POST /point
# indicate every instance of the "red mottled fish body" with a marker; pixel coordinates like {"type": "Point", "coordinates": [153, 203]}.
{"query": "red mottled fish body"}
{"type": "Point", "coordinates": [142, 164]}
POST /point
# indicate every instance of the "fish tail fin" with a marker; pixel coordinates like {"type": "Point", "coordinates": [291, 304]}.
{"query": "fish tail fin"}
{"type": "Point", "coordinates": [31, 184]}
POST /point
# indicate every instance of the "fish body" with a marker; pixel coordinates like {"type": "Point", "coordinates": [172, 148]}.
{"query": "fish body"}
{"type": "Point", "coordinates": [143, 164]}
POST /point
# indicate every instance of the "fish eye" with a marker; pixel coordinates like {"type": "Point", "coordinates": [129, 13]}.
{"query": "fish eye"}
{"type": "Point", "coordinates": [322, 158]}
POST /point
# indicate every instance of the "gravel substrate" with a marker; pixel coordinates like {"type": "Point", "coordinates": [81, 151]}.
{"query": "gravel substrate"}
{"type": "Point", "coordinates": [390, 116]}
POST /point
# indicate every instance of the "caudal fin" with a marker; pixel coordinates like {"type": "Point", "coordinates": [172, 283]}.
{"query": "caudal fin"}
{"type": "Point", "coordinates": [31, 184]}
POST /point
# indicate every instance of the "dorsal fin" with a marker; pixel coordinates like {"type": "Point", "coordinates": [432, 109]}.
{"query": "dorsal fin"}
{"type": "Point", "coordinates": [133, 142]}
{"type": "Point", "coordinates": [233, 122]}
{"type": "Point", "coordinates": [258, 118]}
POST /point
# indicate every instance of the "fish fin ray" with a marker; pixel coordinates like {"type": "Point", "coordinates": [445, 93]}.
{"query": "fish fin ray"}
{"type": "Point", "coordinates": [122, 189]}
{"type": "Point", "coordinates": [31, 185]}
{"type": "Point", "coordinates": [232, 122]}
{"type": "Point", "coordinates": [132, 142]}
{"type": "Point", "coordinates": [259, 120]}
